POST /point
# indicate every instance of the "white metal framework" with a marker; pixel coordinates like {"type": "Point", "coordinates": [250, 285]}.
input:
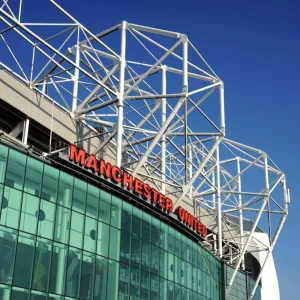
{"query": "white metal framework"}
{"type": "Point", "coordinates": [158, 107]}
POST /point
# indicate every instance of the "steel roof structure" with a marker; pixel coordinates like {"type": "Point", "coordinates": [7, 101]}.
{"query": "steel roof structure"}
{"type": "Point", "coordinates": [158, 107]}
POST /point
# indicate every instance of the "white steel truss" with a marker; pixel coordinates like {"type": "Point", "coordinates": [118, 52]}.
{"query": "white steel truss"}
{"type": "Point", "coordinates": [160, 108]}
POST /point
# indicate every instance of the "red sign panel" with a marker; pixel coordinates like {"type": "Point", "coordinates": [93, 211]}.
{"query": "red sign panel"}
{"type": "Point", "coordinates": [120, 176]}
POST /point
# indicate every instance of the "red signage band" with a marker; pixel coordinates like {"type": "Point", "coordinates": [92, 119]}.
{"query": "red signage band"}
{"type": "Point", "coordinates": [117, 175]}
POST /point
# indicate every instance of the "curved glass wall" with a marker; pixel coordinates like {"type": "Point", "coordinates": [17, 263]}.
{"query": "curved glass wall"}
{"type": "Point", "coordinates": [62, 238]}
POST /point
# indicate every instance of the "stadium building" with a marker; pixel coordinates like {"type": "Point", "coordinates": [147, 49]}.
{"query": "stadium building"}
{"type": "Point", "coordinates": [116, 179]}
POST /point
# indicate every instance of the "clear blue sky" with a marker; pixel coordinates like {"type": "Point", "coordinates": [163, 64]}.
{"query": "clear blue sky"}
{"type": "Point", "coordinates": [254, 46]}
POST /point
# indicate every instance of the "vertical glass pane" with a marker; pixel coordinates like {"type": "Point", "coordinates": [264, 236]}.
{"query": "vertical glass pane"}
{"type": "Point", "coordinates": [163, 289]}
{"type": "Point", "coordinates": [177, 267]}
{"type": "Point", "coordinates": [24, 260]}
{"type": "Point", "coordinates": [116, 205]}
{"type": "Point", "coordinates": [76, 234]}
{"type": "Point", "coordinates": [62, 224]}
{"type": "Point", "coordinates": [171, 234]}
{"type": "Point", "coordinates": [30, 213]}
{"type": "Point", "coordinates": [146, 255]}
{"type": "Point", "coordinates": [126, 217]}
{"type": "Point", "coordinates": [41, 265]}
{"type": "Point", "coordinates": [93, 201]}
{"type": "Point", "coordinates": [154, 285]}
{"type": "Point", "coordinates": [73, 272]}
{"type": "Point", "coordinates": [79, 195]}
{"type": "Point", "coordinates": [155, 232]}
{"type": "Point", "coordinates": [163, 235]}
{"type": "Point", "coordinates": [145, 285]}
{"type": "Point", "coordinates": [163, 263]}
{"type": "Point", "coordinates": [3, 159]}
{"type": "Point", "coordinates": [100, 283]}
{"type": "Point", "coordinates": [114, 243]}
{"type": "Point", "coordinates": [90, 234]}
{"type": "Point", "coordinates": [19, 294]}
{"type": "Point", "coordinates": [65, 189]}
{"type": "Point", "coordinates": [46, 219]}
{"type": "Point", "coordinates": [50, 183]}
{"type": "Point", "coordinates": [183, 247]}
{"type": "Point", "coordinates": [58, 269]}
{"type": "Point", "coordinates": [113, 279]}
{"type": "Point", "coordinates": [8, 242]}
{"type": "Point", "coordinates": [124, 282]}
{"type": "Point", "coordinates": [87, 276]}
{"type": "Point", "coordinates": [136, 222]}
{"type": "Point", "coordinates": [171, 290]}
{"type": "Point", "coordinates": [5, 292]}
{"type": "Point", "coordinates": [146, 227]}
{"type": "Point", "coordinates": [102, 239]}
{"type": "Point", "coordinates": [11, 204]}
{"type": "Point", "coordinates": [135, 252]}
{"type": "Point", "coordinates": [105, 202]}
{"type": "Point", "coordinates": [15, 169]}
{"type": "Point", "coordinates": [154, 266]}
{"type": "Point", "coordinates": [125, 247]}
{"type": "Point", "coordinates": [171, 267]}
{"type": "Point", "coordinates": [177, 244]}
{"type": "Point", "coordinates": [189, 274]}
{"type": "Point", "coordinates": [189, 250]}
{"type": "Point", "coordinates": [135, 278]}
{"type": "Point", "coordinates": [38, 296]}
{"type": "Point", "coordinates": [33, 177]}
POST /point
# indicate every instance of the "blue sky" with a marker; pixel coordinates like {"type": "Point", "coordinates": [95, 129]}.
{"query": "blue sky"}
{"type": "Point", "coordinates": [254, 48]}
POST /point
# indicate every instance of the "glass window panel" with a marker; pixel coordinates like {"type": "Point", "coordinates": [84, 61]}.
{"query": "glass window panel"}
{"type": "Point", "coordinates": [35, 295]}
{"type": "Point", "coordinates": [79, 195]}
{"type": "Point", "coordinates": [8, 242]}
{"type": "Point", "coordinates": [102, 239]}
{"type": "Point", "coordinates": [90, 234]}
{"type": "Point", "coordinates": [125, 247]}
{"type": "Point", "coordinates": [3, 159]}
{"type": "Point", "coordinates": [93, 201]}
{"type": "Point", "coordinates": [19, 294]}
{"type": "Point", "coordinates": [146, 255]}
{"type": "Point", "coordinates": [114, 243]}
{"type": "Point", "coordinates": [15, 169]}
{"type": "Point", "coordinates": [137, 222]}
{"type": "Point", "coordinates": [124, 282]}
{"type": "Point", "coordinates": [163, 235]}
{"type": "Point", "coordinates": [30, 213]}
{"type": "Point", "coordinates": [154, 286]}
{"type": "Point", "coordinates": [195, 258]}
{"type": "Point", "coordinates": [155, 231]}
{"type": "Point", "coordinates": [50, 183]}
{"type": "Point", "coordinates": [63, 218]}
{"type": "Point", "coordinates": [146, 227]}
{"type": "Point", "coordinates": [24, 260]}
{"type": "Point", "coordinates": [116, 205]}
{"type": "Point", "coordinates": [100, 283]}
{"type": "Point", "coordinates": [58, 269]}
{"type": "Point", "coordinates": [194, 279]}
{"type": "Point", "coordinates": [5, 292]}
{"type": "Point", "coordinates": [73, 272]}
{"type": "Point", "coordinates": [46, 224]}
{"type": "Point", "coordinates": [41, 265]}
{"type": "Point", "coordinates": [10, 212]}
{"type": "Point", "coordinates": [87, 276]}
{"type": "Point", "coordinates": [183, 273]}
{"type": "Point", "coordinates": [112, 283]}
{"type": "Point", "coordinates": [135, 252]}
{"type": "Point", "coordinates": [178, 270]}
{"type": "Point", "coordinates": [177, 244]}
{"type": "Point", "coordinates": [163, 290]}
{"type": "Point", "coordinates": [171, 267]}
{"type": "Point", "coordinates": [189, 250]}
{"type": "Point", "coordinates": [189, 275]}
{"type": "Point", "coordinates": [171, 233]}
{"type": "Point", "coordinates": [183, 247]}
{"type": "Point", "coordinates": [33, 177]}
{"type": "Point", "coordinates": [163, 263]}
{"type": "Point", "coordinates": [76, 234]}
{"type": "Point", "coordinates": [177, 292]}
{"type": "Point", "coordinates": [65, 189]}
{"type": "Point", "coordinates": [135, 280]}
{"type": "Point", "coordinates": [126, 217]}
{"type": "Point", "coordinates": [170, 290]}
{"type": "Point", "coordinates": [105, 202]}
{"type": "Point", "coordinates": [145, 285]}
{"type": "Point", "coordinates": [154, 266]}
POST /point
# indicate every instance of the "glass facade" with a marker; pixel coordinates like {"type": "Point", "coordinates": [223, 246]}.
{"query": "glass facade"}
{"type": "Point", "coordinates": [62, 238]}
